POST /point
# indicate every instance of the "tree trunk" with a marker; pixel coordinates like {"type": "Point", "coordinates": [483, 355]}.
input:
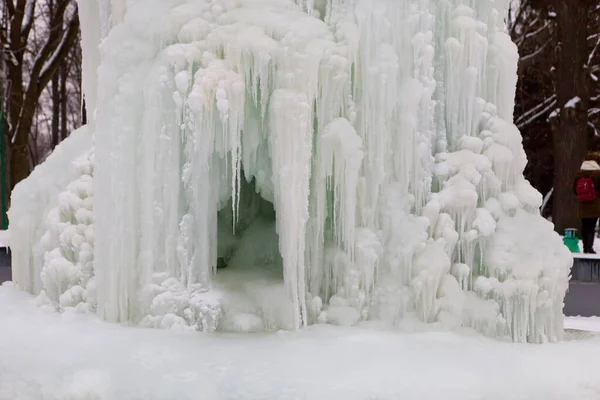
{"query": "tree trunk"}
{"type": "Point", "coordinates": [83, 113]}
{"type": "Point", "coordinates": [56, 104]}
{"type": "Point", "coordinates": [48, 56]}
{"type": "Point", "coordinates": [64, 76]}
{"type": "Point", "coordinates": [570, 133]}
{"type": "Point", "coordinates": [19, 153]}
{"type": "Point", "coordinates": [20, 162]}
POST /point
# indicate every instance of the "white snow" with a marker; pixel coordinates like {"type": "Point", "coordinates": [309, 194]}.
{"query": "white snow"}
{"type": "Point", "coordinates": [70, 356]}
{"type": "Point", "coordinates": [589, 324]}
{"type": "Point", "coordinates": [33, 208]}
{"type": "Point", "coordinates": [583, 255]}
{"type": "Point", "coordinates": [586, 256]}
{"type": "Point", "coordinates": [573, 102]}
{"type": "Point", "coordinates": [346, 161]}
{"type": "Point", "coordinates": [4, 238]}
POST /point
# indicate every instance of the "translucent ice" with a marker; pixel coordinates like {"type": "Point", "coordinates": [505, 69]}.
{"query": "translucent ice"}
{"type": "Point", "coordinates": [267, 164]}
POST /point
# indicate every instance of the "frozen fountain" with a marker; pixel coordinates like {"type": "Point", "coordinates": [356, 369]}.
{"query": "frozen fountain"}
{"type": "Point", "coordinates": [269, 164]}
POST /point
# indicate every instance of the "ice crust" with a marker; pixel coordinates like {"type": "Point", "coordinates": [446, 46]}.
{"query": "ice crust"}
{"type": "Point", "coordinates": [349, 161]}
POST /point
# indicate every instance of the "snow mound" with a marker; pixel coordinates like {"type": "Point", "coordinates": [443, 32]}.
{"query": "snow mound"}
{"type": "Point", "coordinates": [33, 201]}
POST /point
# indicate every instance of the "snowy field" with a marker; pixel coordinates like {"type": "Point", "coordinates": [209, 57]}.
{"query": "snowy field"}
{"type": "Point", "coordinates": [47, 356]}
{"type": "Point", "coordinates": [590, 324]}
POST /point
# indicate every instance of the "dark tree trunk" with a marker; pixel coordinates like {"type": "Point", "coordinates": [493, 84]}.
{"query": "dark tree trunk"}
{"type": "Point", "coordinates": [83, 113]}
{"type": "Point", "coordinates": [18, 141]}
{"type": "Point", "coordinates": [570, 131]}
{"type": "Point", "coordinates": [64, 103]}
{"type": "Point", "coordinates": [20, 161]}
{"type": "Point", "coordinates": [56, 105]}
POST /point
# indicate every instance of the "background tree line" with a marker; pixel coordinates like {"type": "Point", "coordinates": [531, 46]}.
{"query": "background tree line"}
{"type": "Point", "coordinates": [559, 47]}
{"type": "Point", "coordinates": [558, 94]}
{"type": "Point", "coordinates": [40, 82]}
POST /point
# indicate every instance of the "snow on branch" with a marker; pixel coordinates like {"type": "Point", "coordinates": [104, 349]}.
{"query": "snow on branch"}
{"type": "Point", "coordinates": [537, 31]}
{"type": "Point", "coordinates": [29, 17]}
{"type": "Point", "coordinates": [536, 112]}
{"type": "Point", "coordinates": [573, 102]}
{"type": "Point", "coordinates": [593, 52]}
{"type": "Point", "coordinates": [536, 116]}
{"type": "Point", "coordinates": [534, 53]}
{"type": "Point", "coordinates": [69, 35]}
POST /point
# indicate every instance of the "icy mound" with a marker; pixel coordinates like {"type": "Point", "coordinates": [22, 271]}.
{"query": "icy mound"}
{"type": "Point", "coordinates": [34, 199]}
{"type": "Point", "coordinates": [68, 244]}
{"type": "Point", "coordinates": [262, 164]}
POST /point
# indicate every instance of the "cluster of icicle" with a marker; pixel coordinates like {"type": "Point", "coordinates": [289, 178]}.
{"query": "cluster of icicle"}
{"type": "Point", "coordinates": [51, 212]}
{"type": "Point", "coordinates": [379, 129]}
{"type": "Point", "coordinates": [67, 272]}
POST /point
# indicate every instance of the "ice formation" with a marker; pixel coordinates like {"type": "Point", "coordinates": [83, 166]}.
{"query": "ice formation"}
{"type": "Point", "coordinates": [268, 164]}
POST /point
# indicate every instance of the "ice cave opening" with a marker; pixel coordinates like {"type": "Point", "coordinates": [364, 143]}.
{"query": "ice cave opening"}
{"type": "Point", "coordinates": [270, 164]}
{"type": "Point", "coordinates": [249, 270]}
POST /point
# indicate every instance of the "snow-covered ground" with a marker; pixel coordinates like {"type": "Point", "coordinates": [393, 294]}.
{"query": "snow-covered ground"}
{"type": "Point", "coordinates": [581, 254]}
{"type": "Point", "coordinates": [67, 356]}
{"type": "Point", "coordinates": [590, 324]}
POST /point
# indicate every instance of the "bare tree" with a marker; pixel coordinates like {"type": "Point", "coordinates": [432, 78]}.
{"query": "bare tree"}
{"type": "Point", "coordinates": [31, 63]}
{"type": "Point", "coordinates": [593, 66]}
{"type": "Point", "coordinates": [533, 28]}
{"type": "Point", "coordinates": [572, 95]}
{"type": "Point", "coordinates": [557, 101]}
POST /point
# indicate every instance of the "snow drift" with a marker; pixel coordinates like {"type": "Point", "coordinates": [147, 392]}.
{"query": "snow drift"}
{"type": "Point", "coordinates": [342, 162]}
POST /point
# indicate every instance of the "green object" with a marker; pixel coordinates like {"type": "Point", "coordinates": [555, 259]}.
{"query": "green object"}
{"type": "Point", "coordinates": [571, 240]}
{"type": "Point", "coordinates": [572, 244]}
{"type": "Point", "coordinates": [3, 191]}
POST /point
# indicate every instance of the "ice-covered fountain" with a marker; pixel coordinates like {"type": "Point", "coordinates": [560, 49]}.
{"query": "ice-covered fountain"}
{"type": "Point", "coordinates": [269, 164]}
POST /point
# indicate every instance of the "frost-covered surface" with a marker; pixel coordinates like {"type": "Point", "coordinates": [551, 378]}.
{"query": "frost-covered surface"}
{"type": "Point", "coordinates": [31, 203]}
{"type": "Point", "coordinates": [573, 102]}
{"type": "Point", "coordinates": [67, 273]}
{"type": "Point", "coordinates": [345, 161]}
{"type": "Point", "coordinates": [590, 324]}
{"type": "Point", "coordinates": [69, 356]}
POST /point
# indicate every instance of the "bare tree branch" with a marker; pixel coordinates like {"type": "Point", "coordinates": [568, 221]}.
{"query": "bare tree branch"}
{"type": "Point", "coordinates": [61, 51]}
{"type": "Point", "coordinates": [53, 51]}
{"type": "Point", "coordinates": [29, 18]}
{"type": "Point", "coordinates": [39, 37]}
{"type": "Point", "coordinates": [593, 53]}
{"type": "Point", "coordinates": [10, 7]}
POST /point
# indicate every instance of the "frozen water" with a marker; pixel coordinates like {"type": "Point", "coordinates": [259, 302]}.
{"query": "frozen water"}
{"type": "Point", "coordinates": [343, 161]}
